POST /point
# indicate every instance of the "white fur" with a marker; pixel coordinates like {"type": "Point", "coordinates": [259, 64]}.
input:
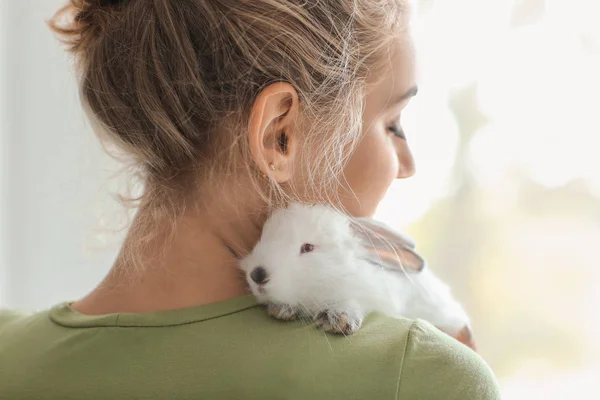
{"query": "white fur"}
{"type": "Point", "coordinates": [337, 275]}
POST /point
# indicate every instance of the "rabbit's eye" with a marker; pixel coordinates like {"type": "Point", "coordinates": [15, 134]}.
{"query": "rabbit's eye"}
{"type": "Point", "coordinates": [307, 248]}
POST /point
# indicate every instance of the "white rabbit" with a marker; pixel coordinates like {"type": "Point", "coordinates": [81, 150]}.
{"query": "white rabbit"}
{"type": "Point", "coordinates": [313, 261]}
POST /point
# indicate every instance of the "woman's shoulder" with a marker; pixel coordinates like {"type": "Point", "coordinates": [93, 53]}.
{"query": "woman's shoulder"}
{"type": "Point", "coordinates": [8, 316]}
{"type": "Point", "coordinates": [436, 366]}
{"type": "Point", "coordinates": [388, 357]}
{"type": "Point", "coordinates": [17, 326]}
{"type": "Point", "coordinates": [11, 320]}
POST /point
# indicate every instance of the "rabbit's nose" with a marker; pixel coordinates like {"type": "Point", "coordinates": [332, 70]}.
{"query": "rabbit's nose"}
{"type": "Point", "coordinates": [259, 275]}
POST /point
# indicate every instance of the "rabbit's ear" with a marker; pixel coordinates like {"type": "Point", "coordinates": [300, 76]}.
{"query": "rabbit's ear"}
{"type": "Point", "coordinates": [387, 247]}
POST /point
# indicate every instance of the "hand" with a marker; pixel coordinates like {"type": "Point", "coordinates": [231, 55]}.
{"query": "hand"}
{"type": "Point", "coordinates": [465, 336]}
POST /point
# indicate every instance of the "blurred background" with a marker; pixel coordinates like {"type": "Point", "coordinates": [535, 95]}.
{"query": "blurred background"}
{"type": "Point", "coordinates": [505, 204]}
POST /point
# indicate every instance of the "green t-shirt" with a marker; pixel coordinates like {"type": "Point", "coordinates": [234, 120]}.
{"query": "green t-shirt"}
{"type": "Point", "coordinates": [230, 350]}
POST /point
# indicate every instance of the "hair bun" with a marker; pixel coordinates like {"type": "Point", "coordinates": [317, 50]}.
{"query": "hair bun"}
{"type": "Point", "coordinates": [80, 24]}
{"type": "Point", "coordinates": [109, 3]}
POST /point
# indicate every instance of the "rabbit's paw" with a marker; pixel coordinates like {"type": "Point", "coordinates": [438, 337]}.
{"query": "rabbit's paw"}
{"type": "Point", "coordinates": [282, 312]}
{"type": "Point", "coordinates": [338, 322]}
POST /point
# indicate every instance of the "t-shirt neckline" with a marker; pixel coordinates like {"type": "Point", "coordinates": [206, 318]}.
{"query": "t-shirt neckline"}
{"type": "Point", "coordinates": [63, 314]}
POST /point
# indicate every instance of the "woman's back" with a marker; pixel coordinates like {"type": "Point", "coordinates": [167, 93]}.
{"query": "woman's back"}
{"type": "Point", "coordinates": [230, 350]}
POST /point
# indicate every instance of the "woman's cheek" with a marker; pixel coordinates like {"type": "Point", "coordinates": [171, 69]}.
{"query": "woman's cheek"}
{"type": "Point", "coordinates": [370, 172]}
{"type": "Point", "coordinates": [381, 179]}
{"type": "Point", "coordinates": [406, 162]}
{"type": "Point", "coordinates": [391, 172]}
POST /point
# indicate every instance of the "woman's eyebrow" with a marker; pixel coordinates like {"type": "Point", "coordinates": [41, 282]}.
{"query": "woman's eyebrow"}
{"type": "Point", "coordinates": [412, 92]}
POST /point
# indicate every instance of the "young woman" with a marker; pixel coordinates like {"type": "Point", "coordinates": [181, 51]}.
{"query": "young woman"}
{"type": "Point", "coordinates": [228, 109]}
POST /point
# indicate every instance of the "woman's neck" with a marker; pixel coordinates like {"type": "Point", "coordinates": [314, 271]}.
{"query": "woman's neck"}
{"type": "Point", "coordinates": [197, 265]}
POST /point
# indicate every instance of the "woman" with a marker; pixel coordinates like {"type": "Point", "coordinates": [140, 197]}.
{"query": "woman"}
{"type": "Point", "coordinates": [229, 109]}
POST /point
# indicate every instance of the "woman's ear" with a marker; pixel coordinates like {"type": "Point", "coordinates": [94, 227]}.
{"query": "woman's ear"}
{"type": "Point", "coordinates": [272, 130]}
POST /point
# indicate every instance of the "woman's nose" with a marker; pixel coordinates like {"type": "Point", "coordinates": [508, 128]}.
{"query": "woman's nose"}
{"type": "Point", "coordinates": [259, 275]}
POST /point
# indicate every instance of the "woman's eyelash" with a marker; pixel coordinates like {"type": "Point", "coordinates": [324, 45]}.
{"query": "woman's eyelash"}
{"type": "Point", "coordinates": [397, 130]}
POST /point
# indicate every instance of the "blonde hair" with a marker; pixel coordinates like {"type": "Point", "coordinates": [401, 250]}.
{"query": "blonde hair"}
{"type": "Point", "coordinates": [172, 82]}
